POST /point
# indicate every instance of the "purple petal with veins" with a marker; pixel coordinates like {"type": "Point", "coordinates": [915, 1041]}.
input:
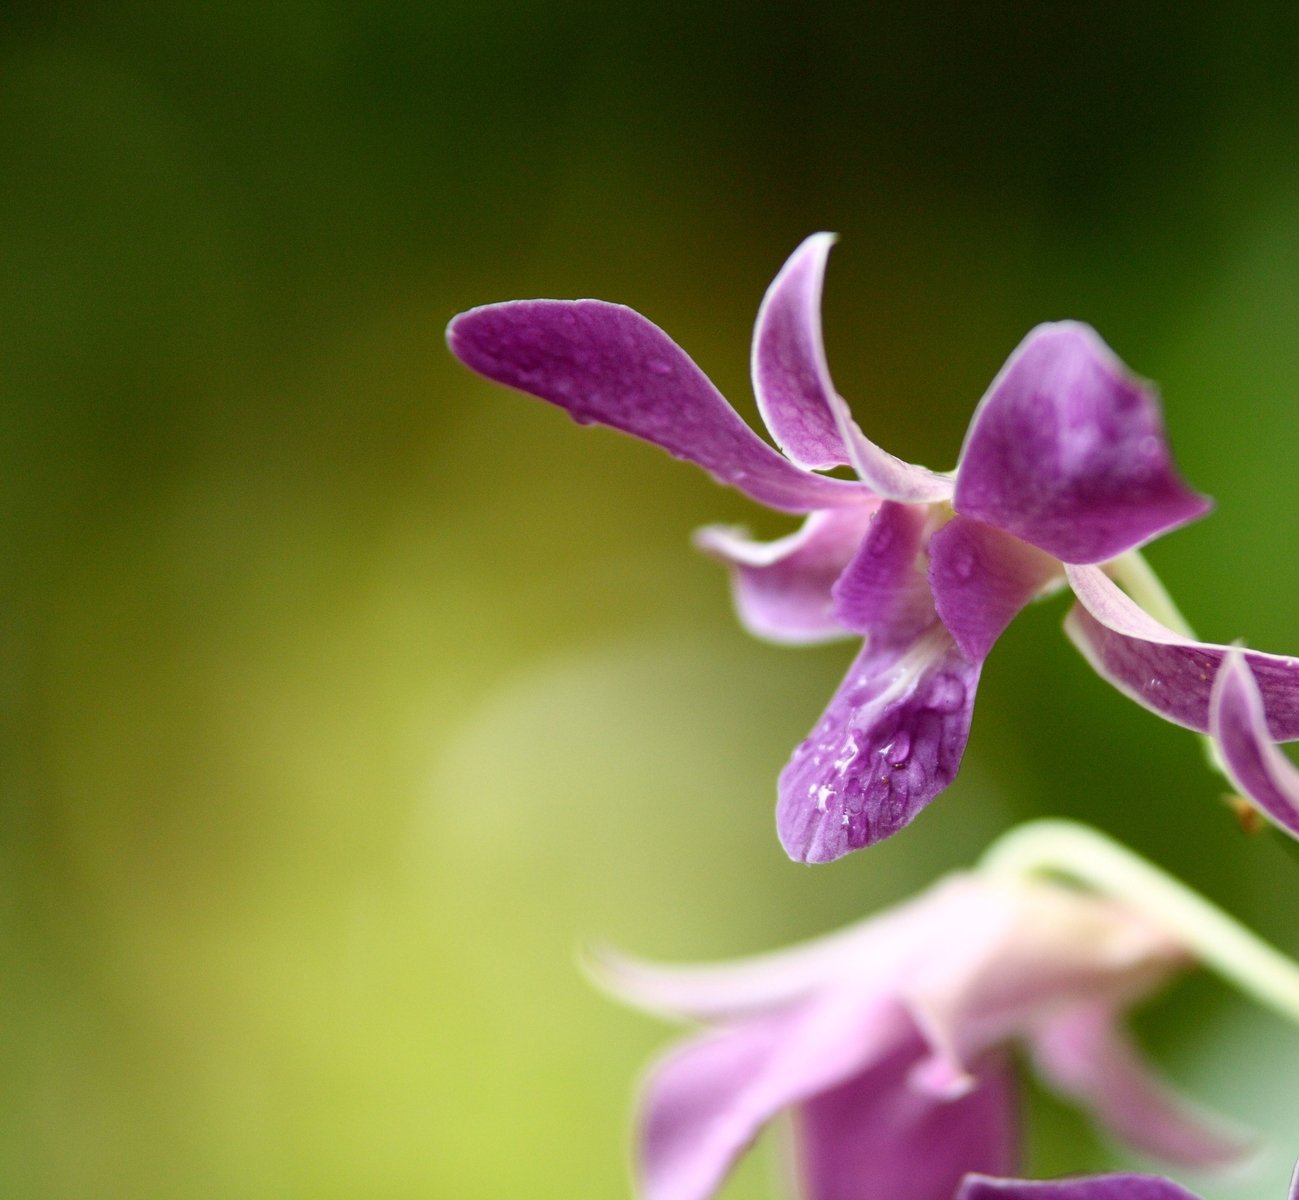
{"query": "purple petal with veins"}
{"type": "Point", "coordinates": [1256, 765]}
{"type": "Point", "coordinates": [1169, 674]}
{"type": "Point", "coordinates": [891, 739]}
{"type": "Point", "coordinates": [981, 578]}
{"type": "Point", "coordinates": [1067, 451]}
{"type": "Point", "coordinates": [605, 363]}
{"type": "Point", "coordinates": [1092, 1187]}
{"type": "Point", "coordinates": [883, 592]}
{"type": "Point", "coordinates": [875, 1136]}
{"type": "Point", "coordinates": [782, 588]}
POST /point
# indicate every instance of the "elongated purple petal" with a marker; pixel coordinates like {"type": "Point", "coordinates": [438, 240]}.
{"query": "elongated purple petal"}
{"type": "Point", "coordinates": [1169, 674]}
{"type": "Point", "coordinates": [707, 1100]}
{"type": "Point", "coordinates": [891, 739]}
{"type": "Point", "coordinates": [605, 363]}
{"type": "Point", "coordinates": [1067, 451]}
{"type": "Point", "coordinates": [981, 578]}
{"type": "Point", "coordinates": [883, 592]}
{"type": "Point", "coordinates": [782, 588]}
{"type": "Point", "coordinates": [1085, 1055]}
{"type": "Point", "coordinates": [1256, 766]}
{"type": "Point", "coordinates": [796, 396]}
{"type": "Point", "coordinates": [876, 1137]}
{"type": "Point", "coordinates": [1093, 1187]}
{"type": "Point", "coordinates": [790, 377]}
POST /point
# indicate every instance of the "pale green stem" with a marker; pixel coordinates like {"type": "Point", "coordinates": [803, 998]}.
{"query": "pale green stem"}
{"type": "Point", "coordinates": [1220, 942]}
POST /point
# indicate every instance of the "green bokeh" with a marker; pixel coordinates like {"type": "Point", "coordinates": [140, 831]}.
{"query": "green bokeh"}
{"type": "Point", "coordinates": [344, 695]}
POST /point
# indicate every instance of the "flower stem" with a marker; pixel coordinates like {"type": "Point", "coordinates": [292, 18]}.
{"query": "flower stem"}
{"type": "Point", "coordinates": [1220, 942]}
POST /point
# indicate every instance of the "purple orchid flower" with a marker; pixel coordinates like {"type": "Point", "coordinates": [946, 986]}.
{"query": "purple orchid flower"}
{"type": "Point", "coordinates": [1065, 462]}
{"type": "Point", "coordinates": [891, 1042]}
{"type": "Point", "coordinates": [1094, 1187]}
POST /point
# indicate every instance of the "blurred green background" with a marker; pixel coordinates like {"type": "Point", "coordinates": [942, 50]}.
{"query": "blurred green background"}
{"type": "Point", "coordinates": [345, 695]}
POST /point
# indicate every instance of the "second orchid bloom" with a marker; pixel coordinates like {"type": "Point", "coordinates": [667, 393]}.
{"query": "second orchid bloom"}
{"type": "Point", "coordinates": [1065, 471]}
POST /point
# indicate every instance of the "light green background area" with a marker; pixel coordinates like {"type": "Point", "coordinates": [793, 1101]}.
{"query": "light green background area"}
{"type": "Point", "coordinates": [343, 696]}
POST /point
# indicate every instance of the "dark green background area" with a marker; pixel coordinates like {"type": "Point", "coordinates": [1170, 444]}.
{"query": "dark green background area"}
{"type": "Point", "coordinates": [342, 695]}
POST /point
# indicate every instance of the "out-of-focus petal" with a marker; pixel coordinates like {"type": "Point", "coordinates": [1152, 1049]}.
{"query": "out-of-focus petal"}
{"type": "Point", "coordinates": [889, 742]}
{"type": "Point", "coordinates": [606, 363]}
{"type": "Point", "coordinates": [782, 588]}
{"type": "Point", "coordinates": [1013, 949]}
{"type": "Point", "coordinates": [1163, 671]}
{"type": "Point", "coordinates": [796, 396]}
{"type": "Point", "coordinates": [980, 578]}
{"type": "Point", "coordinates": [1256, 766]}
{"type": "Point", "coordinates": [1067, 451]}
{"type": "Point", "coordinates": [1086, 1056]}
{"type": "Point", "coordinates": [1093, 1187]}
{"type": "Point", "coordinates": [790, 376]}
{"type": "Point", "coordinates": [875, 1137]}
{"type": "Point", "coordinates": [709, 1098]}
{"type": "Point", "coordinates": [872, 955]}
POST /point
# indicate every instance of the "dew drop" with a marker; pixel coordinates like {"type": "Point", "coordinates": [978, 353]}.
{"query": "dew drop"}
{"type": "Point", "coordinates": [946, 694]}
{"type": "Point", "coordinates": [898, 750]}
{"type": "Point", "coordinates": [963, 562]}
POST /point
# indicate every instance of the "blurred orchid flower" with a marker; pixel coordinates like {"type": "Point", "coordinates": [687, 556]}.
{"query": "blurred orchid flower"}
{"type": "Point", "coordinates": [1065, 462]}
{"type": "Point", "coordinates": [1095, 1187]}
{"type": "Point", "coordinates": [891, 1043]}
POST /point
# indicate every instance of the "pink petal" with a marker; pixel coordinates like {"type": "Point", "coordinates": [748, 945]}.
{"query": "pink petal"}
{"type": "Point", "coordinates": [1163, 671]}
{"type": "Point", "coordinates": [1085, 1056]}
{"type": "Point", "coordinates": [1067, 451]}
{"type": "Point", "coordinates": [796, 397]}
{"type": "Point", "coordinates": [875, 1137]}
{"type": "Point", "coordinates": [605, 363]}
{"type": "Point", "coordinates": [1256, 766]}
{"type": "Point", "coordinates": [782, 588]}
{"type": "Point", "coordinates": [707, 1101]}
{"type": "Point", "coordinates": [981, 578]}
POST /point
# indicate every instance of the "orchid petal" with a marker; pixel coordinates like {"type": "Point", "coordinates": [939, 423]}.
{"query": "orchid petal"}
{"type": "Point", "coordinates": [889, 742]}
{"type": "Point", "coordinates": [782, 588]}
{"type": "Point", "coordinates": [1256, 766]}
{"type": "Point", "coordinates": [981, 578]}
{"type": "Point", "coordinates": [1085, 1056]}
{"type": "Point", "coordinates": [875, 1136]}
{"type": "Point", "coordinates": [790, 377]}
{"type": "Point", "coordinates": [1093, 1187]}
{"type": "Point", "coordinates": [708, 1099]}
{"type": "Point", "coordinates": [796, 396]}
{"type": "Point", "coordinates": [883, 592]}
{"type": "Point", "coordinates": [872, 954]}
{"type": "Point", "coordinates": [605, 363]}
{"type": "Point", "coordinates": [1163, 671]}
{"type": "Point", "coordinates": [1067, 451]}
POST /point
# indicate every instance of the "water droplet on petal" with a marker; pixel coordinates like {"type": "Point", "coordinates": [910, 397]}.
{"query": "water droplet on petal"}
{"type": "Point", "coordinates": [946, 694]}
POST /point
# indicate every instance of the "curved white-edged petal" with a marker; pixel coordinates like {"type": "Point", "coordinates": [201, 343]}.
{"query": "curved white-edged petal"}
{"type": "Point", "coordinates": [1255, 764]}
{"type": "Point", "coordinates": [1082, 1187]}
{"type": "Point", "coordinates": [782, 588]}
{"type": "Point", "coordinates": [1163, 671]}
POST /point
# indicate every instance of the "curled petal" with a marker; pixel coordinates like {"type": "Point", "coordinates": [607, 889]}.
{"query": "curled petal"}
{"type": "Point", "coordinates": [876, 1136]}
{"type": "Point", "coordinates": [790, 376]}
{"type": "Point", "coordinates": [708, 1099]}
{"type": "Point", "coordinates": [1163, 671]}
{"type": "Point", "coordinates": [1086, 1056]}
{"type": "Point", "coordinates": [1094, 1187]}
{"type": "Point", "coordinates": [1067, 451]}
{"type": "Point", "coordinates": [981, 578]}
{"type": "Point", "coordinates": [796, 396]}
{"type": "Point", "coordinates": [782, 588]}
{"type": "Point", "coordinates": [1256, 766]}
{"type": "Point", "coordinates": [891, 739]}
{"type": "Point", "coordinates": [883, 592]}
{"type": "Point", "coordinates": [605, 363]}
